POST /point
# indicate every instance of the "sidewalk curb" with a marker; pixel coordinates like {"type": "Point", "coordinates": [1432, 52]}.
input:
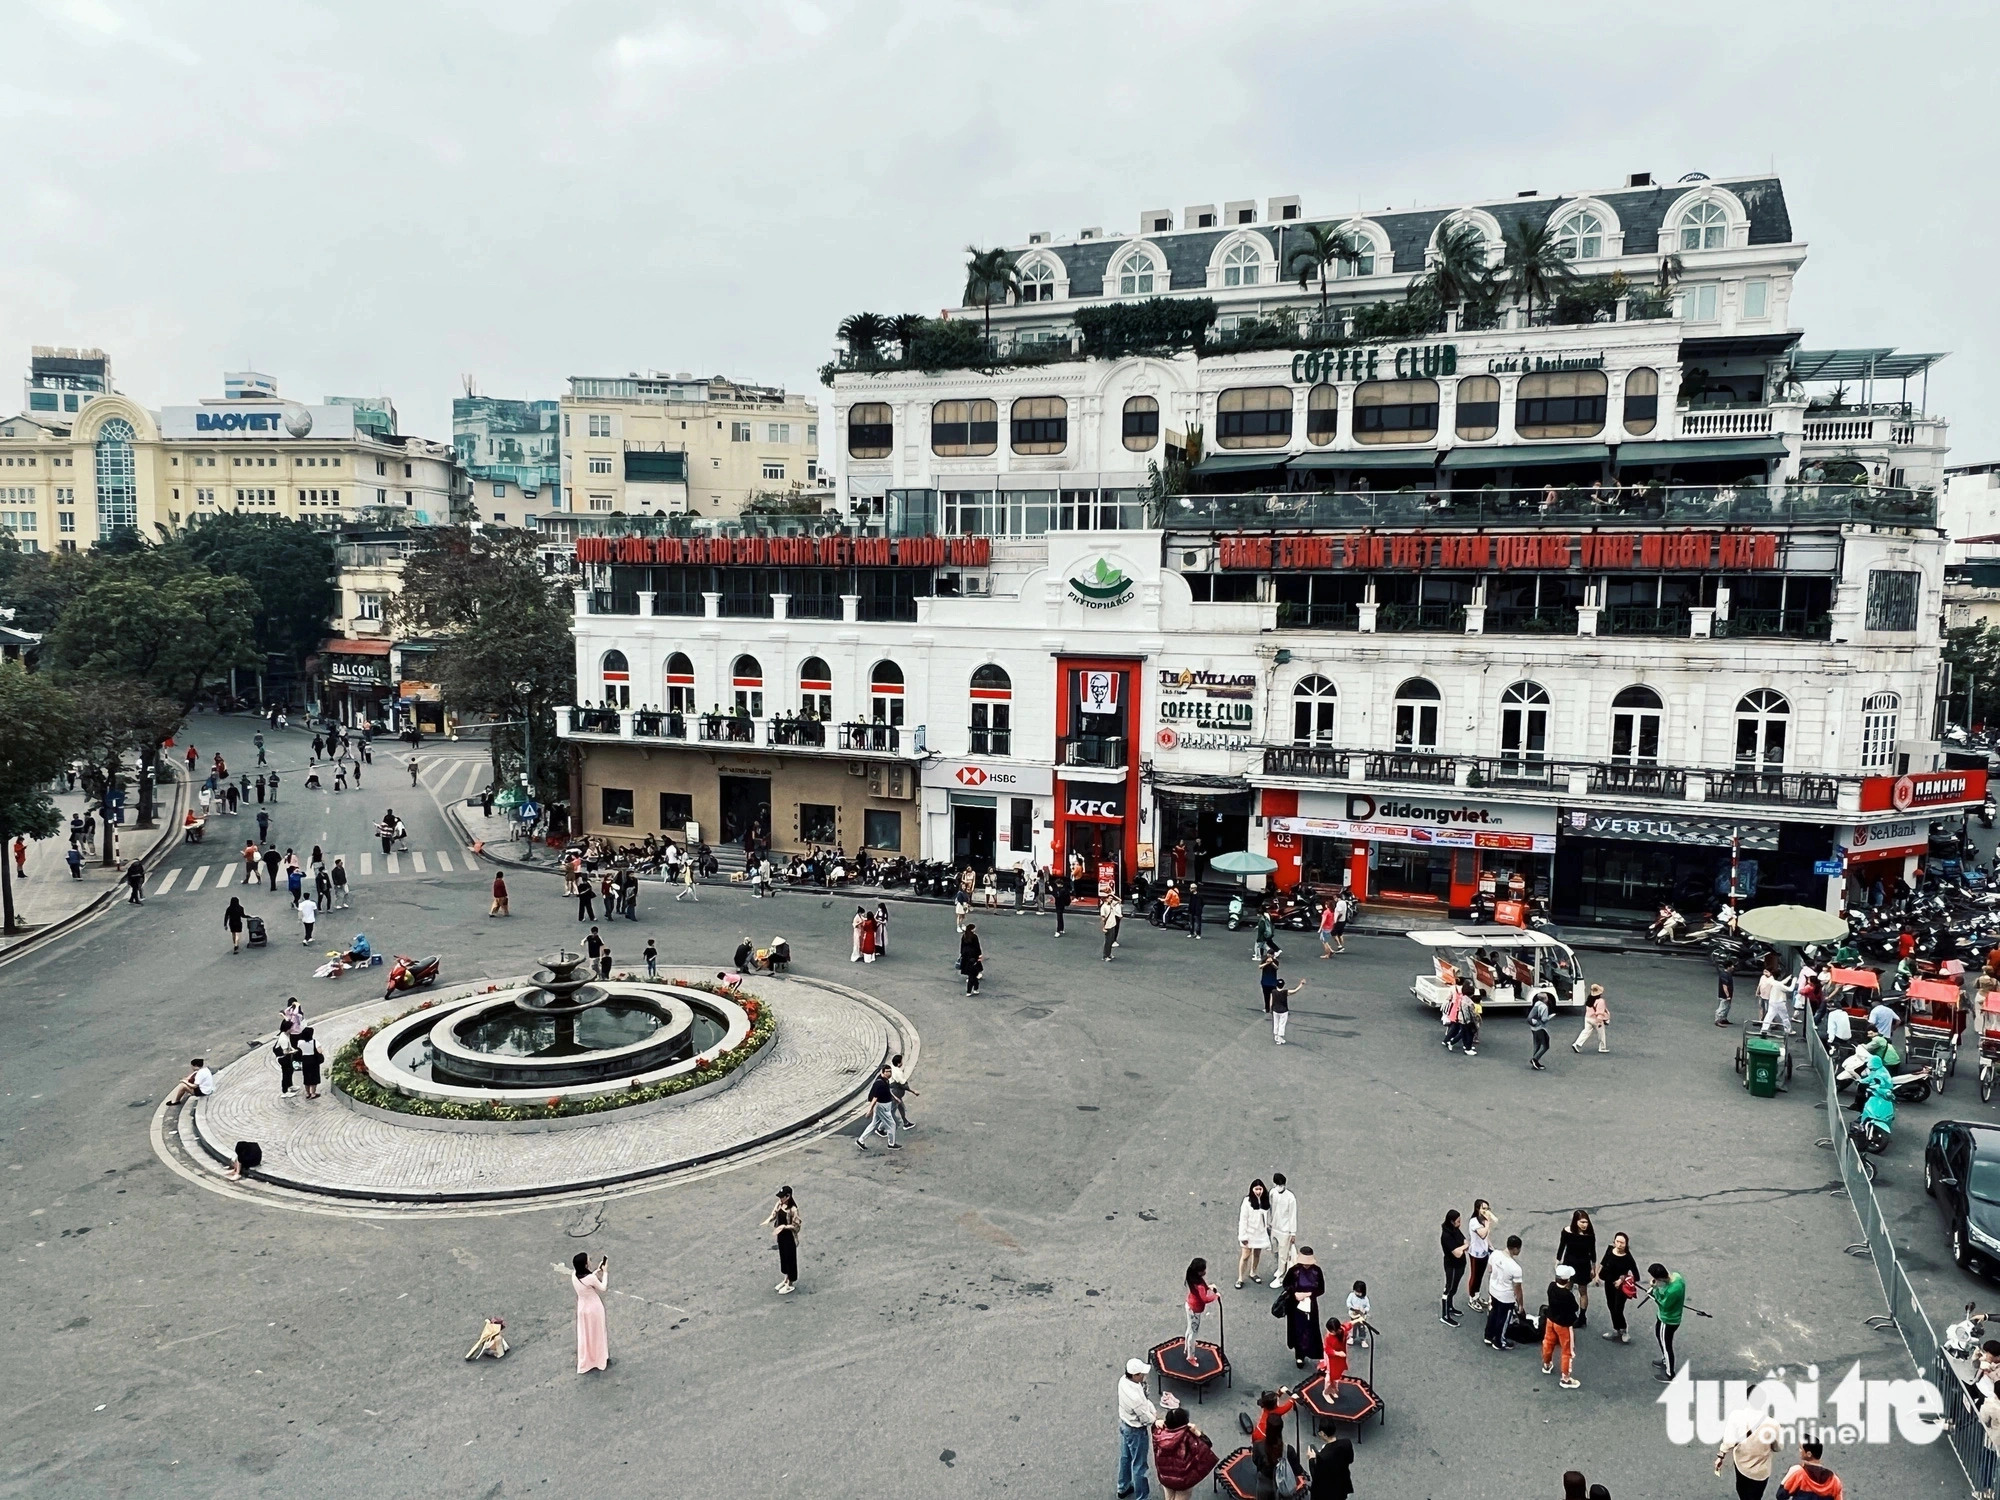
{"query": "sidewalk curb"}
{"type": "Point", "coordinates": [170, 832]}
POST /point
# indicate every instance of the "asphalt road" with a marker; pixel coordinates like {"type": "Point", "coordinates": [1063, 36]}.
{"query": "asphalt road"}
{"type": "Point", "coordinates": [966, 1303]}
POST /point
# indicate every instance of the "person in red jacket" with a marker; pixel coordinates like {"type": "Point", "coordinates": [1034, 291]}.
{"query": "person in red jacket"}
{"type": "Point", "coordinates": [1182, 1454]}
{"type": "Point", "coordinates": [1269, 1404]}
{"type": "Point", "coordinates": [1811, 1477]}
{"type": "Point", "coordinates": [1200, 1297]}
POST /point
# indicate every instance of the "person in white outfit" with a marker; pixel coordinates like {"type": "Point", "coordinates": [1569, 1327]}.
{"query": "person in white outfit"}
{"type": "Point", "coordinates": [860, 916]}
{"type": "Point", "coordinates": [1596, 1018]}
{"type": "Point", "coordinates": [1284, 1226]}
{"type": "Point", "coordinates": [1253, 1230]}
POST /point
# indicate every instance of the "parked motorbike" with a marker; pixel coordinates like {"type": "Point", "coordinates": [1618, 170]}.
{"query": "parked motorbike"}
{"type": "Point", "coordinates": [411, 974]}
{"type": "Point", "coordinates": [1986, 811]}
{"type": "Point", "coordinates": [1671, 930]}
{"type": "Point", "coordinates": [1738, 954]}
{"type": "Point", "coordinates": [1237, 910]}
{"type": "Point", "coordinates": [1865, 1072]}
{"type": "Point", "coordinates": [1872, 1130]}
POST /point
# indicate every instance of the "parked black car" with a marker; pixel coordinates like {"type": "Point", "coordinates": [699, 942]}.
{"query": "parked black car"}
{"type": "Point", "coordinates": [1962, 1172]}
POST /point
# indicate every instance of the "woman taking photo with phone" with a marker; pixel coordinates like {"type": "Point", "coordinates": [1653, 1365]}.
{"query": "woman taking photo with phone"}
{"type": "Point", "coordinates": [593, 1348]}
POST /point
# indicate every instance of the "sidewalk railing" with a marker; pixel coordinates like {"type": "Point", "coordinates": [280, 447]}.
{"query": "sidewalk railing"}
{"type": "Point", "coordinates": [1906, 1313]}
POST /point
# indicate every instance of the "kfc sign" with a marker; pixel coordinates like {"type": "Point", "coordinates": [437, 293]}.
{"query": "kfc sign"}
{"type": "Point", "coordinates": [1103, 803]}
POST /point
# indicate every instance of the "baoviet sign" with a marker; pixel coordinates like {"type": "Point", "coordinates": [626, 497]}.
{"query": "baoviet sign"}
{"type": "Point", "coordinates": [1502, 552]}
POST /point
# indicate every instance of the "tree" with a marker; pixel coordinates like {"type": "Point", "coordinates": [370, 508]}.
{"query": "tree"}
{"type": "Point", "coordinates": [1312, 253]}
{"type": "Point", "coordinates": [1533, 265]}
{"type": "Point", "coordinates": [863, 334]}
{"type": "Point", "coordinates": [990, 276]}
{"type": "Point", "coordinates": [117, 717]}
{"type": "Point", "coordinates": [39, 734]}
{"type": "Point", "coordinates": [905, 328]}
{"type": "Point", "coordinates": [291, 566]}
{"type": "Point", "coordinates": [507, 648]}
{"type": "Point", "coordinates": [36, 585]}
{"type": "Point", "coordinates": [1459, 274]}
{"type": "Point", "coordinates": [1974, 654]}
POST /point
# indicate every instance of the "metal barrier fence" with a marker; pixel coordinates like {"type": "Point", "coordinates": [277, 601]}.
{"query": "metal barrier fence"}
{"type": "Point", "coordinates": [1906, 1313]}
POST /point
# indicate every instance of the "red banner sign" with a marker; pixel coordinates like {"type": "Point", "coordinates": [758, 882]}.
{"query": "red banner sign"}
{"type": "Point", "coordinates": [1923, 789]}
{"type": "Point", "coordinates": [791, 551]}
{"type": "Point", "coordinates": [1503, 552]}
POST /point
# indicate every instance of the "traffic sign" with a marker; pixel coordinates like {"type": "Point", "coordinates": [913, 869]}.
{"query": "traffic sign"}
{"type": "Point", "coordinates": [1827, 867]}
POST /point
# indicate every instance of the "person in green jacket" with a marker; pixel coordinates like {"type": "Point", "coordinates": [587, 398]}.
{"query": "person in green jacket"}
{"type": "Point", "coordinates": [1670, 1303]}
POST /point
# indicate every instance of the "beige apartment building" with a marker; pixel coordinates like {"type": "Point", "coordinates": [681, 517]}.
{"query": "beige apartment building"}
{"type": "Point", "coordinates": [83, 462]}
{"type": "Point", "coordinates": [682, 444]}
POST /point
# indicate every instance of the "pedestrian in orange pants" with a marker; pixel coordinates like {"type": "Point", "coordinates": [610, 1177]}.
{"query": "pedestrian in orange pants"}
{"type": "Point", "coordinates": [1559, 1326]}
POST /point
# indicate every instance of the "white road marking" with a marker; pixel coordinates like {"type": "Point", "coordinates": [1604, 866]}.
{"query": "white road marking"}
{"type": "Point", "coordinates": [367, 864]}
{"type": "Point", "coordinates": [417, 859]}
{"type": "Point", "coordinates": [167, 881]}
{"type": "Point", "coordinates": [473, 770]}
{"type": "Point", "coordinates": [195, 880]}
{"type": "Point", "coordinates": [395, 865]}
{"type": "Point", "coordinates": [444, 861]}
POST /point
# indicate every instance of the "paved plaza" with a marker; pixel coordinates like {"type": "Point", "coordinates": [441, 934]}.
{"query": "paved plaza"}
{"type": "Point", "coordinates": [1083, 1129]}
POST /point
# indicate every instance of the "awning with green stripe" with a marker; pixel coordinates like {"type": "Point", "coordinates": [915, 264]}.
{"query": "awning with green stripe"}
{"type": "Point", "coordinates": [1238, 463]}
{"type": "Point", "coordinates": [1366, 458]}
{"type": "Point", "coordinates": [1699, 450]}
{"type": "Point", "coordinates": [1519, 456]}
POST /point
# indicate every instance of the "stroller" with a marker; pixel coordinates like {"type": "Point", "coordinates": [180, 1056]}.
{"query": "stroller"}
{"type": "Point", "coordinates": [258, 936]}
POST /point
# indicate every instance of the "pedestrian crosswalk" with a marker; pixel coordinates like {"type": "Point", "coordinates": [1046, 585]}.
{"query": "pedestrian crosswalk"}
{"type": "Point", "coordinates": [363, 867]}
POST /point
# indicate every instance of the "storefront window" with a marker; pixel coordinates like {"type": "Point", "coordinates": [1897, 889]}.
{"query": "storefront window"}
{"type": "Point", "coordinates": [885, 693]}
{"type": "Point", "coordinates": [1417, 705]}
{"type": "Point", "coordinates": [1524, 728]}
{"type": "Point", "coordinates": [815, 689]}
{"type": "Point", "coordinates": [617, 680]}
{"type": "Point", "coordinates": [1762, 718]}
{"type": "Point", "coordinates": [1635, 727]}
{"type": "Point", "coordinates": [747, 682]}
{"type": "Point", "coordinates": [680, 683]}
{"type": "Point", "coordinates": [1315, 712]}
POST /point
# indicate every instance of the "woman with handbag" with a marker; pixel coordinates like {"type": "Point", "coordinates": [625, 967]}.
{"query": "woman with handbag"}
{"type": "Point", "coordinates": [1618, 1272]}
{"type": "Point", "coordinates": [786, 1226]}
{"type": "Point", "coordinates": [1298, 1304]}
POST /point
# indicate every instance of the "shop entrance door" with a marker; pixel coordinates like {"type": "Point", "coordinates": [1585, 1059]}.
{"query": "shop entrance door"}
{"type": "Point", "coordinates": [972, 837]}
{"type": "Point", "coordinates": [746, 807]}
{"type": "Point", "coordinates": [1412, 872]}
{"type": "Point", "coordinates": [1097, 845]}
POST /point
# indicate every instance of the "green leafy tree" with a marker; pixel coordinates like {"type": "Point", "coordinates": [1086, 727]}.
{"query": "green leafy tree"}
{"type": "Point", "coordinates": [39, 735]}
{"type": "Point", "coordinates": [120, 717]}
{"type": "Point", "coordinates": [905, 328]}
{"type": "Point", "coordinates": [291, 566]}
{"type": "Point", "coordinates": [863, 333]}
{"type": "Point", "coordinates": [1533, 265]}
{"type": "Point", "coordinates": [990, 276]}
{"type": "Point", "coordinates": [36, 585]}
{"type": "Point", "coordinates": [506, 648]}
{"type": "Point", "coordinates": [1459, 275]}
{"type": "Point", "coordinates": [1315, 254]}
{"type": "Point", "coordinates": [1974, 654]}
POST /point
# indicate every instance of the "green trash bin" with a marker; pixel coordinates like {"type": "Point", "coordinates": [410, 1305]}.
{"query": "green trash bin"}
{"type": "Point", "coordinates": [1760, 1075]}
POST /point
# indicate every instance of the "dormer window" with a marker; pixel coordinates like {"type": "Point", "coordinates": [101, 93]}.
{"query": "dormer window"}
{"type": "Point", "coordinates": [1704, 227]}
{"type": "Point", "coordinates": [1580, 236]}
{"type": "Point", "coordinates": [1366, 248]}
{"type": "Point", "coordinates": [1239, 266]}
{"type": "Point", "coordinates": [1135, 275]}
{"type": "Point", "coordinates": [1038, 283]}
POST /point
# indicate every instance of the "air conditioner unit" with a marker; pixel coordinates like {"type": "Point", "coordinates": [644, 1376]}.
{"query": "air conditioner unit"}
{"type": "Point", "coordinates": [892, 782]}
{"type": "Point", "coordinates": [857, 768]}
{"type": "Point", "coordinates": [974, 585]}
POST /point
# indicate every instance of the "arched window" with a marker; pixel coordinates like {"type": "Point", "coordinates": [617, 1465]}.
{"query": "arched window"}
{"type": "Point", "coordinates": [1240, 263]}
{"type": "Point", "coordinates": [746, 680]}
{"type": "Point", "coordinates": [885, 693]}
{"type": "Point", "coordinates": [1258, 416]}
{"type": "Point", "coordinates": [1417, 704]}
{"type": "Point", "coordinates": [1365, 249]}
{"type": "Point", "coordinates": [815, 689]}
{"type": "Point", "coordinates": [1142, 424]}
{"type": "Point", "coordinates": [1322, 415]}
{"type": "Point", "coordinates": [871, 429]}
{"type": "Point", "coordinates": [1642, 401]}
{"type": "Point", "coordinates": [992, 712]}
{"type": "Point", "coordinates": [117, 480]}
{"type": "Point", "coordinates": [1562, 404]}
{"type": "Point", "coordinates": [1524, 728]}
{"type": "Point", "coordinates": [1878, 731]}
{"type": "Point", "coordinates": [1315, 712]}
{"type": "Point", "coordinates": [962, 429]}
{"type": "Point", "coordinates": [680, 684]}
{"type": "Point", "coordinates": [1040, 424]}
{"type": "Point", "coordinates": [1477, 414]}
{"type": "Point", "coordinates": [1580, 236]}
{"type": "Point", "coordinates": [1395, 411]}
{"type": "Point", "coordinates": [1635, 727]}
{"type": "Point", "coordinates": [617, 679]}
{"type": "Point", "coordinates": [1038, 282]}
{"type": "Point", "coordinates": [1704, 227]}
{"type": "Point", "coordinates": [1135, 275]}
{"type": "Point", "coordinates": [1761, 720]}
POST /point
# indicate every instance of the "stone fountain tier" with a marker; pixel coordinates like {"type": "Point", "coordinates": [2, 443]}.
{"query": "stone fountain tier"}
{"type": "Point", "coordinates": [563, 1058]}
{"type": "Point", "coordinates": [559, 988]}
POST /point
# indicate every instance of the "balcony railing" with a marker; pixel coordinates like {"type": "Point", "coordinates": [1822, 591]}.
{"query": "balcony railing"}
{"type": "Point", "coordinates": [1306, 760]}
{"type": "Point", "coordinates": [652, 724]}
{"type": "Point", "coordinates": [1506, 621]}
{"type": "Point", "coordinates": [593, 721]}
{"type": "Point", "coordinates": [1600, 504]}
{"type": "Point", "coordinates": [1639, 779]}
{"type": "Point", "coordinates": [1430, 770]}
{"type": "Point", "coordinates": [1104, 751]}
{"type": "Point", "coordinates": [1748, 421]}
{"type": "Point", "coordinates": [1643, 619]}
{"type": "Point", "coordinates": [1413, 617]}
{"type": "Point", "coordinates": [1295, 616]}
{"type": "Point", "coordinates": [990, 741]}
{"type": "Point", "coordinates": [729, 729]}
{"type": "Point", "coordinates": [859, 735]}
{"type": "Point", "coordinates": [1785, 624]}
{"type": "Point", "coordinates": [796, 731]}
{"type": "Point", "coordinates": [1781, 788]}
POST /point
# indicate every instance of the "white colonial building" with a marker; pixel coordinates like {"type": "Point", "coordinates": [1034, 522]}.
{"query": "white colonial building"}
{"type": "Point", "coordinates": [1414, 597]}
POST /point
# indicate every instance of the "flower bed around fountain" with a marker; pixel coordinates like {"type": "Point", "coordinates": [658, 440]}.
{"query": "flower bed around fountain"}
{"type": "Point", "coordinates": [366, 1070]}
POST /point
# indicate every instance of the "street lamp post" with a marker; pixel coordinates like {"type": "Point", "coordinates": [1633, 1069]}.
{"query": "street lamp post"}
{"type": "Point", "coordinates": [527, 762]}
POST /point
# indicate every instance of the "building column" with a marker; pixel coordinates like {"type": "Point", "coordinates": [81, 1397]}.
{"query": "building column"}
{"type": "Point", "coordinates": [711, 606]}
{"type": "Point", "coordinates": [850, 607]}
{"type": "Point", "coordinates": [646, 602]}
{"type": "Point", "coordinates": [582, 602]}
{"type": "Point", "coordinates": [781, 606]}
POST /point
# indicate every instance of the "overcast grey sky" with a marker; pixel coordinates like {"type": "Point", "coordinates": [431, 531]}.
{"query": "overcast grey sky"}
{"type": "Point", "coordinates": [365, 197]}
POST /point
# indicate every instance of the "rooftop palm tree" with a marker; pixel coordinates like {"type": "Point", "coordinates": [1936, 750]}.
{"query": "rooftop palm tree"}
{"type": "Point", "coordinates": [1316, 249]}
{"type": "Point", "coordinates": [863, 333]}
{"type": "Point", "coordinates": [903, 328]}
{"type": "Point", "coordinates": [990, 277]}
{"type": "Point", "coordinates": [1459, 273]}
{"type": "Point", "coordinates": [1533, 265]}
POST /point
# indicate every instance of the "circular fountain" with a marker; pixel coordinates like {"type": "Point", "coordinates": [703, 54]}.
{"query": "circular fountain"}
{"type": "Point", "coordinates": [563, 1034]}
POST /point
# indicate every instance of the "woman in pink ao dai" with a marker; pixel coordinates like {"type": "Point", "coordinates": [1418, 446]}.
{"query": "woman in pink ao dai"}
{"type": "Point", "coordinates": [593, 1348]}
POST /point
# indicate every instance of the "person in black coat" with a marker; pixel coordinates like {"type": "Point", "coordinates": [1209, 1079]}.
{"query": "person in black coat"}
{"type": "Point", "coordinates": [1303, 1278]}
{"type": "Point", "coordinates": [971, 958]}
{"type": "Point", "coordinates": [1332, 1468]}
{"type": "Point", "coordinates": [1577, 1246]}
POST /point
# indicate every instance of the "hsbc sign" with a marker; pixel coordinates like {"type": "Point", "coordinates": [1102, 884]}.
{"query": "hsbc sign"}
{"type": "Point", "coordinates": [978, 776]}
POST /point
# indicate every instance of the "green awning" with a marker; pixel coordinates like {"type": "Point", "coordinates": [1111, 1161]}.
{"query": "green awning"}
{"type": "Point", "coordinates": [1237, 463]}
{"type": "Point", "coordinates": [1519, 456]}
{"type": "Point", "coordinates": [1366, 458]}
{"type": "Point", "coordinates": [1699, 451]}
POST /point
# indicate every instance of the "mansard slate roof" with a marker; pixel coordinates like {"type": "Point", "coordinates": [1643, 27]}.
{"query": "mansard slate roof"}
{"type": "Point", "coordinates": [1640, 212]}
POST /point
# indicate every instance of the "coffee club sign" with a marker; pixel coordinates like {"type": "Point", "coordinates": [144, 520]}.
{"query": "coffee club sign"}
{"type": "Point", "coordinates": [1203, 710]}
{"type": "Point", "coordinates": [1425, 361]}
{"type": "Point", "coordinates": [1591, 550]}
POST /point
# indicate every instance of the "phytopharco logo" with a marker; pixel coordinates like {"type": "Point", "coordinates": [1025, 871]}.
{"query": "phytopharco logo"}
{"type": "Point", "coordinates": [1103, 587]}
{"type": "Point", "coordinates": [1855, 1411]}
